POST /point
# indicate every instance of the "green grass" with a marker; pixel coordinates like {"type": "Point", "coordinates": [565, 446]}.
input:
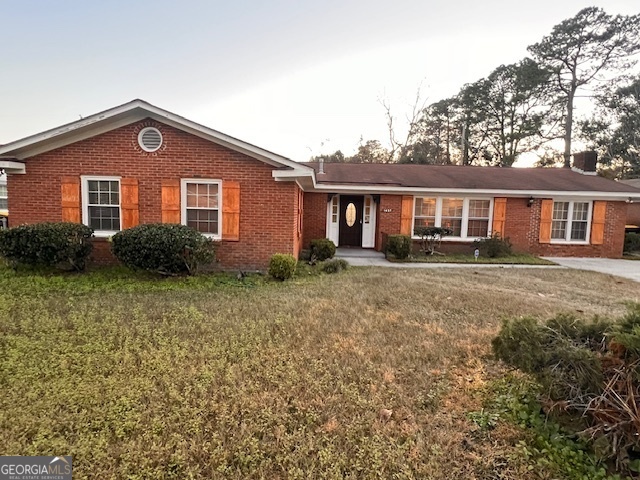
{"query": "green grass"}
{"type": "Point", "coordinates": [212, 377]}
{"type": "Point", "coordinates": [515, 259]}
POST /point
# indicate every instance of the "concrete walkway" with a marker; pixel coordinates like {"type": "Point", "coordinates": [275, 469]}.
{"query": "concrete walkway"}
{"type": "Point", "coordinates": [370, 258]}
{"type": "Point", "coordinates": [622, 268]}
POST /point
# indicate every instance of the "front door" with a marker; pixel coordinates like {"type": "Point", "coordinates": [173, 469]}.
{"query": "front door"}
{"type": "Point", "coordinates": [351, 220]}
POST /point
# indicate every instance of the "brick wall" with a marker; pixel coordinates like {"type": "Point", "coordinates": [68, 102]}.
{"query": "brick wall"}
{"type": "Point", "coordinates": [388, 222]}
{"type": "Point", "coordinates": [522, 226]}
{"type": "Point", "coordinates": [315, 217]}
{"type": "Point", "coordinates": [633, 213]}
{"type": "Point", "coordinates": [268, 209]}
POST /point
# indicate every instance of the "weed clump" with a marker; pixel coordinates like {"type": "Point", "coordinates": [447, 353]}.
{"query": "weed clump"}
{"type": "Point", "coordinates": [335, 266]}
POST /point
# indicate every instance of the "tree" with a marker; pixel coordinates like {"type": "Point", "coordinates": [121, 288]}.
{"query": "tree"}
{"type": "Point", "coordinates": [584, 50]}
{"type": "Point", "coordinates": [336, 157]}
{"type": "Point", "coordinates": [437, 137]}
{"type": "Point", "coordinates": [505, 111]}
{"type": "Point", "coordinates": [615, 131]}
{"type": "Point", "coordinates": [370, 151]}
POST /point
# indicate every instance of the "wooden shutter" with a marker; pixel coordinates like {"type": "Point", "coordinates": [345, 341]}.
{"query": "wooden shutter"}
{"type": "Point", "coordinates": [546, 217]}
{"type": "Point", "coordinates": [406, 215]}
{"type": "Point", "coordinates": [129, 202]}
{"type": "Point", "coordinates": [231, 211]}
{"type": "Point", "coordinates": [597, 223]}
{"type": "Point", "coordinates": [499, 216]}
{"type": "Point", "coordinates": [70, 189]}
{"type": "Point", "coordinates": [170, 201]}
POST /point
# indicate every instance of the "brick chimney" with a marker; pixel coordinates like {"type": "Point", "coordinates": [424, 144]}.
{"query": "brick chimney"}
{"type": "Point", "coordinates": [585, 162]}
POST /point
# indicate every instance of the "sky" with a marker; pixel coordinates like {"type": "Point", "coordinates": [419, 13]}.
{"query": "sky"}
{"type": "Point", "coordinates": [297, 78]}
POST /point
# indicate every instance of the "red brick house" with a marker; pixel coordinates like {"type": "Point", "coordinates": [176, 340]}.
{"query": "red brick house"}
{"type": "Point", "coordinates": [137, 163]}
{"type": "Point", "coordinates": [633, 210]}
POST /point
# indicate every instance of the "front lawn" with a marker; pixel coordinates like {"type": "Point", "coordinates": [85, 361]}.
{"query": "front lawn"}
{"type": "Point", "coordinates": [371, 373]}
{"type": "Point", "coordinates": [513, 259]}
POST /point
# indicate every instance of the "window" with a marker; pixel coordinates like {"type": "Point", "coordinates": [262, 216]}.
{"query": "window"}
{"type": "Point", "coordinates": [452, 215]}
{"type": "Point", "coordinates": [4, 203]}
{"type": "Point", "coordinates": [478, 222]}
{"type": "Point", "coordinates": [367, 210]}
{"type": "Point", "coordinates": [201, 205]}
{"type": "Point", "coordinates": [101, 203]}
{"type": "Point", "coordinates": [466, 217]}
{"type": "Point", "coordinates": [425, 212]}
{"type": "Point", "coordinates": [570, 222]}
{"type": "Point", "coordinates": [334, 209]}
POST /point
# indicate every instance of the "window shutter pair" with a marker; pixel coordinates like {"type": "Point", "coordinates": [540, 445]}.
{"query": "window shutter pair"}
{"type": "Point", "coordinates": [71, 204]}
{"type": "Point", "coordinates": [171, 211]}
{"type": "Point", "coordinates": [597, 221]}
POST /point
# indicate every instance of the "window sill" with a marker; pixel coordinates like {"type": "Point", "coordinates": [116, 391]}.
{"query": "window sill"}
{"type": "Point", "coordinates": [104, 234]}
{"type": "Point", "coordinates": [454, 239]}
{"type": "Point", "coordinates": [569, 242]}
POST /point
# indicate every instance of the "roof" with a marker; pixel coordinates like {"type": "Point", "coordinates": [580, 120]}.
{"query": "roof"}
{"type": "Point", "coordinates": [634, 182]}
{"type": "Point", "coordinates": [133, 111]}
{"type": "Point", "coordinates": [456, 177]}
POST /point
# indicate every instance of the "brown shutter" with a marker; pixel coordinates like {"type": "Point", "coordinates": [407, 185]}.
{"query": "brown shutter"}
{"type": "Point", "coordinates": [546, 217]}
{"type": "Point", "coordinates": [129, 202]}
{"type": "Point", "coordinates": [70, 189]}
{"type": "Point", "coordinates": [499, 216]}
{"type": "Point", "coordinates": [406, 216]}
{"type": "Point", "coordinates": [170, 201]}
{"type": "Point", "coordinates": [231, 211]}
{"type": "Point", "coordinates": [597, 223]}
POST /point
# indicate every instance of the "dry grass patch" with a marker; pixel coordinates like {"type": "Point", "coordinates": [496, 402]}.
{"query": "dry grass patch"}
{"type": "Point", "coordinates": [274, 380]}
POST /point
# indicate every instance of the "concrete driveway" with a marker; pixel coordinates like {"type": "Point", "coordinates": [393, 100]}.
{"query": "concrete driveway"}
{"type": "Point", "coordinates": [622, 268]}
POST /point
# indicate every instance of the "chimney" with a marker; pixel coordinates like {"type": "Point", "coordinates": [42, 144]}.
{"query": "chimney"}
{"type": "Point", "coordinates": [585, 162]}
{"type": "Point", "coordinates": [321, 167]}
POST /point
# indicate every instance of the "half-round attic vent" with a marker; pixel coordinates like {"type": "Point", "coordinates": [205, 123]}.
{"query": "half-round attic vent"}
{"type": "Point", "coordinates": [150, 139]}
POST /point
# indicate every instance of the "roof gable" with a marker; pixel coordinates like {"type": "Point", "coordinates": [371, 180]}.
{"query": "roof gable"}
{"type": "Point", "coordinates": [132, 112]}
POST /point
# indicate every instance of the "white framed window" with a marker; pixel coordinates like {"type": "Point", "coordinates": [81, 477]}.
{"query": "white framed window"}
{"type": "Point", "coordinates": [467, 218]}
{"type": "Point", "coordinates": [571, 221]}
{"type": "Point", "coordinates": [202, 205]}
{"type": "Point", "coordinates": [101, 204]}
{"type": "Point", "coordinates": [424, 212]}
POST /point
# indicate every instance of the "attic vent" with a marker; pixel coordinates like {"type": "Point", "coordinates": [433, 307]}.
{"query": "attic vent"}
{"type": "Point", "coordinates": [150, 139]}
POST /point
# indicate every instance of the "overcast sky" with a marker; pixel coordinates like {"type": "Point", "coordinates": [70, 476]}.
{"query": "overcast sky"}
{"type": "Point", "coordinates": [297, 78]}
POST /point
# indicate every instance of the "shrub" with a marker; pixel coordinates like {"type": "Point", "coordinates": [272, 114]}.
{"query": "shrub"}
{"type": "Point", "coordinates": [431, 237]}
{"type": "Point", "coordinates": [399, 245]}
{"type": "Point", "coordinates": [494, 246]}
{"type": "Point", "coordinates": [167, 249]}
{"type": "Point", "coordinates": [47, 244]}
{"type": "Point", "coordinates": [322, 249]}
{"type": "Point", "coordinates": [632, 242]}
{"type": "Point", "coordinates": [588, 369]}
{"type": "Point", "coordinates": [335, 266]}
{"type": "Point", "coordinates": [282, 266]}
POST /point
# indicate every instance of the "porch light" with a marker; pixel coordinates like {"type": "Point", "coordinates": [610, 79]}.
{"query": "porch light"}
{"type": "Point", "coordinates": [530, 202]}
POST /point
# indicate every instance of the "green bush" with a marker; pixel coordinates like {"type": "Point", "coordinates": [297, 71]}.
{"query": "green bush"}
{"type": "Point", "coordinates": [167, 249]}
{"type": "Point", "coordinates": [282, 266]}
{"type": "Point", "coordinates": [590, 368]}
{"type": "Point", "coordinates": [399, 245]}
{"type": "Point", "coordinates": [47, 244]}
{"type": "Point", "coordinates": [632, 242]}
{"type": "Point", "coordinates": [322, 249]}
{"type": "Point", "coordinates": [335, 265]}
{"type": "Point", "coordinates": [494, 246]}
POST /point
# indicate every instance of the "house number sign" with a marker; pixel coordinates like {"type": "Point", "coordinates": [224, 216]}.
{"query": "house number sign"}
{"type": "Point", "coordinates": [387, 210]}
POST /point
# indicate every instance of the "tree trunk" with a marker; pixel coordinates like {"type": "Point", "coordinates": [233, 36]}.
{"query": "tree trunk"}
{"type": "Point", "coordinates": [568, 126]}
